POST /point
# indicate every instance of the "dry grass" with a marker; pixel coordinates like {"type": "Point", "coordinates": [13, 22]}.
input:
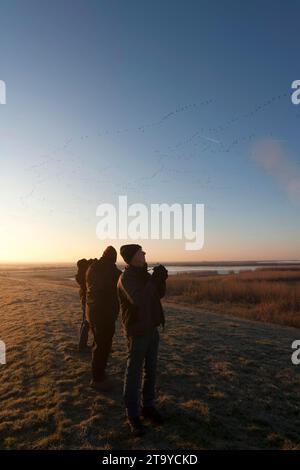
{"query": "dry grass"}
{"type": "Point", "coordinates": [223, 382]}
{"type": "Point", "coordinates": [268, 294]}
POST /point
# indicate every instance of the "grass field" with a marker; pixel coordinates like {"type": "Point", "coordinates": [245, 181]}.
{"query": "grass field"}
{"type": "Point", "coordinates": [223, 382]}
{"type": "Point", "coordinates": [269, 294]}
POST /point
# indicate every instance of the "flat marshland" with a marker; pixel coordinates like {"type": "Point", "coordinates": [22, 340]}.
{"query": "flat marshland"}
{"type": "Point", "coordinates": [224, 381]}
{"type": "Point", "coordinates": [266, 294]}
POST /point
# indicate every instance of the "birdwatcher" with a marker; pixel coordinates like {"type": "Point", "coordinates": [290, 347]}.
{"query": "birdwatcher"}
{"type": "Point", "coordinates": [139, 295]}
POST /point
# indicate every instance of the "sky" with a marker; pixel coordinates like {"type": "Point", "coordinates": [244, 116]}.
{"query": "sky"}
{"type": "Point", "coordinates": [164, 102]}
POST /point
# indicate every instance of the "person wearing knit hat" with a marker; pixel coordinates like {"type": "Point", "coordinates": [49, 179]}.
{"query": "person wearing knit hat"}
{"type": "Point", "coordinates": [102, 311]}
{"type": "Point", "coordinates": [139, 296]}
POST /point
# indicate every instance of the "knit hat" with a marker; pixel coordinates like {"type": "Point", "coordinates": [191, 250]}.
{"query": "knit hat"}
{"type": "Point", "coordinates": [128, 251]}
{"type": "Point", "coordinates": [110, 253]}
{"type": "Point", "coordinates": [82, 262]}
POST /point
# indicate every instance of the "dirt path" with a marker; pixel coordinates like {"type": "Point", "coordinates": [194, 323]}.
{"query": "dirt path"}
{"type": "Point", "coordinates": [223, 382]}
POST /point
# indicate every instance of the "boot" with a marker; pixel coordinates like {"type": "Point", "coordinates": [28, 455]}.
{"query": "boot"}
{"type": "Point", "coordinates": [104, 385]}
{"type": "Point", "coordinates": [136, 426]}
{"type": "Point", "coordinates": [151, 413]}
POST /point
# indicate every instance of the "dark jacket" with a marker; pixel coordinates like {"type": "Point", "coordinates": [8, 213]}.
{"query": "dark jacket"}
{"type": "Point", "coordinates": [101, 288]}
{"type": "Point", "coordinates": [139, 297]}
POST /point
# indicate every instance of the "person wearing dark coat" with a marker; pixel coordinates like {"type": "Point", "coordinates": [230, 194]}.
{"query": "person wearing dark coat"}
{"type": "Point", "coordinates": [82, 266]}
{"type": "Point", "coordinates": [102, 311]}
{"type": "Point", "coordinates": [139, 296]}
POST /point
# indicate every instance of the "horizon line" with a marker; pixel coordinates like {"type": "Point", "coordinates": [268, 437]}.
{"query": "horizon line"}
{"type": "Point", "coordinates": [245, 261]}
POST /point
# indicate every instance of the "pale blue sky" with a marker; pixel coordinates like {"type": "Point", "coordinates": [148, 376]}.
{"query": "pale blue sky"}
{"type": "Point", "coordinates": [162, 101]}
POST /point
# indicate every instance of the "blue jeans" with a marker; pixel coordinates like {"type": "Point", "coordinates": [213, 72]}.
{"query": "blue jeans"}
{"type": "Point", "coordinates": [142, 356]}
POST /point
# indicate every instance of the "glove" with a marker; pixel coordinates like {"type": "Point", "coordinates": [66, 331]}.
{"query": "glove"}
{"type": "Point", "coordinates": [160, 273]}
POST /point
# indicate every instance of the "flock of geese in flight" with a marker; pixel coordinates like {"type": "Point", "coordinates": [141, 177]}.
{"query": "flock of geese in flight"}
{"type": "Point", "coordinates": [199, 143]}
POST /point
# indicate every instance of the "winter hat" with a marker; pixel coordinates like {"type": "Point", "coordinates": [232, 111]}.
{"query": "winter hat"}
{"type": "Point", "coordinates": [82, 262]}
{"type": "Point", "coordinates": [128, 251]}
{"type": "Point", "coordinates": [110, 253]}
